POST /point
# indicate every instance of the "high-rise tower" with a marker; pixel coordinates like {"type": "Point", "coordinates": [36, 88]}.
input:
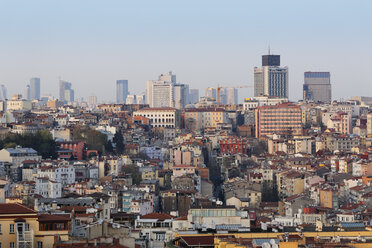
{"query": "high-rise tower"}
{"type": "Point", "coordinates": [317, 87]}
{"type": "Point", "coordinates": [121, 91]}
{"type": "Point", "coordinates": [271, 79]}
{"type": "Point", "coordinates": [35, 88]}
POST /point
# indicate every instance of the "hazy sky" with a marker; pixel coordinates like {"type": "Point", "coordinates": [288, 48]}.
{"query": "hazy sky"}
{"type": "Point", "coordinates": [94, 43]}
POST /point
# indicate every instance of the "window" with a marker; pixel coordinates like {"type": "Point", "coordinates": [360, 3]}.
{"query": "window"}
{"type": "Point", "coordinates": [27, 227]}
{"type": "Point", "coordinates": [39, 244]}
{"type": "Point", "coordinates": [11, 245]}
{"type": "Point", "coordinates": [11, 228]}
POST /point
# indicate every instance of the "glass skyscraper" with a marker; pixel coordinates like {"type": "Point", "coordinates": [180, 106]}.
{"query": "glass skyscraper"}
{"type": "Point", "coordinates": [121, 91]}
{"type": "Point", "coordinates": [317, 87]}
{"type": "Point", "coordinates": [35, 88]}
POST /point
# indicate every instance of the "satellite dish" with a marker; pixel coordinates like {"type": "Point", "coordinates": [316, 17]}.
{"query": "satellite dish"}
{"type": "Point", "coordinates": [272, 241]}
{"type": "Point", "coordinates": [266, 245]}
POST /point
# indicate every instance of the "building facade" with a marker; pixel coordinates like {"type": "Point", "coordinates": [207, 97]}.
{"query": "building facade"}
{"type": "Point", "coordinates": [317, 87]}
{"type": "Point", "coordinates": [121, 91]}
{"type": "Point", "coordinates": [161, 117]}
{"type": "Point", "coordinates": [35, 88]}
{"type": "Point", "coordinates": [283, 118]}
{"type": "Point", "coordinates": [271, 79]}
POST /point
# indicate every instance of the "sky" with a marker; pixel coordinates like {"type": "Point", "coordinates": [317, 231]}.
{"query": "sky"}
{"type": "Point", "coordinates": [205, 43]}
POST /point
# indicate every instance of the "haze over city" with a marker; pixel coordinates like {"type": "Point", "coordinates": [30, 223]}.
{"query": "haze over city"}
{"type": "Point", "coordinates": [94, 43]}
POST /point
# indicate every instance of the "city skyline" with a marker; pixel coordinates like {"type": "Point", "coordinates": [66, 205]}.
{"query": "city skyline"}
{"type": "Point", "coordinates": [99, 56]}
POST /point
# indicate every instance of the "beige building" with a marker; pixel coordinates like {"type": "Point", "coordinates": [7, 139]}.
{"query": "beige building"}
{"type": "Point", "coordinates": [23, 227]}
{"type": "Point", "coordinates": [201, 118]}
{"type": "Point", "coordinates": [18, 105]}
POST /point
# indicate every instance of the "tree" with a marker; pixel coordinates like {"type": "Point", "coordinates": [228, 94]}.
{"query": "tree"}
{"type": "Point", "coordinates": [119, 142]}
{"type": "Point", "coordinates": [41, 141]}
{"type": "Point", "coordinates": [109, 148]}
{"type": "Point", "coordinates": [95, 140]}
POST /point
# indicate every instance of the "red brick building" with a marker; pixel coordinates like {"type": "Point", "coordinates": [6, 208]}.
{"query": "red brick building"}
{"type": "Point", "coordinates": [77, 148]}
{"type": "Point", "coordinates": [234, 145]}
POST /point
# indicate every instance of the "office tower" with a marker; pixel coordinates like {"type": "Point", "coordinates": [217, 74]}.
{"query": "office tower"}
{"type": "Point", "coordinates": [159, 94]}
{"type": "Point", "coordinates": [92, 100]}
{"type": "Point", "coordinates": [35, 88]}
{"type": "Point", "coordinates": [229, 96]}
{"type": "Point", "coordinates": [283, 119]}
{"type": "Point", "coordinates": [211, 93]}
{"type": "Point", "coordinates": [317, 87]}
{"type": "Point", "coordinates": [66, 93]}
{"type": "Point", "coordinates": [181, 95]}
{"type": "Point", "coordinates": [27, 93]}
{"type": "Point", "coordinates": [121, 91]}
{"type": "Point", "coordinates": [271, 79]}
{"type": "Point", "coordinates": [141, 99]}
{"type": "Point", "coordinates": [3, 92]}
{"type": "Point", "coordinates": [193, 96]}
{"type": "Point", "coordinates": [131, 99]}
{"type": "Point", "coordinates": [169, 77]}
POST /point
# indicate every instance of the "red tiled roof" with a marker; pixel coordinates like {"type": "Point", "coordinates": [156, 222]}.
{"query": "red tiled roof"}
{"type": "Point", "coordinates": [198, 241]}
{"type": "Point", "coordinates": [15, 208]}
{"type": "Point", "coordinates": [158, 216]}
{"type": "Point", "coordinates": [53, 217]}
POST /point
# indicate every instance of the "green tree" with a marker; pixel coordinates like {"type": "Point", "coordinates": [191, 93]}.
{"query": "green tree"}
{"type": "Point", "coordinates": [119, 142]}
{"type": "Point", "coordinates": [41, 141]}
{"type": "Point", "coordinates": [108, 147]}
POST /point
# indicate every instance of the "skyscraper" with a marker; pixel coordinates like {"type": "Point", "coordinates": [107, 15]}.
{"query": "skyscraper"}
{"type": "Point", "coordinates": [3, 92]}
{"type": "Point", "coordinates": [121, 91]}
{"type": "Point", "coordinates": [159, 94]}
{"type": "Point", "coordinates": [66, 93]}
{"type": "Point", "coordinates": [92, 101]}
{"type": "Point", "coordinates": [166, 92]}
{"type": "Point", "coordinates": [181, 95]}
{"type": "Point", "coordinates": [317, 87]}
{"type": "Point", "coordinates": [27, 93]}
{"type": "Point", "coordinates": [211, 93]}
{"type": "Point", "coordinates": [271, 79]}
{"type": "Point", "coordinates": [230, 95]}
{"type": "Point", "coordinates": [35, 88]}
{"type": "Point", "coordinates": [194, 96]}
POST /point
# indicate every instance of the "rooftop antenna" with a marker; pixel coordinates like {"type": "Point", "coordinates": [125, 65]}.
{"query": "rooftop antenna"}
{"type": "Point", "coordinates": [269, 49]}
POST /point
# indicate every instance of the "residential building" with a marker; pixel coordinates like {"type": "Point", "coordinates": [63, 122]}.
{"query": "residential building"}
{"type": "Point", "coordinates": [48, 188]}
{"type": "Point", "coordinates": [23, 227]}
{"type": "Point", "coordinates": [200, 118]}
{"type": "Point", "coordinates": [164, 117]}
{"type": "Point", "coordinates": [17, 155]}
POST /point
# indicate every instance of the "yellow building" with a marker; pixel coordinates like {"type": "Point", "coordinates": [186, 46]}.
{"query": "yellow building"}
{"type": "Point", "coordinates": [21, 226]}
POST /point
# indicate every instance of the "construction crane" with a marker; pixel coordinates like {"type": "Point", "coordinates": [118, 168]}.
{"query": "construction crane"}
{"type": "Point", "coordinates": [218, 90]}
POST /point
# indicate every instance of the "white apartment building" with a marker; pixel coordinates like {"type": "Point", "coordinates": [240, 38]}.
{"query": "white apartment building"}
{"type": "Point", "coordinates": [252, 103]}
{"type": "Point", "coordinates": [48, 188]}
{"type": "Point", "coordinates": [64, 174]}
{"type": "Point", "coordinates": [160, 117]}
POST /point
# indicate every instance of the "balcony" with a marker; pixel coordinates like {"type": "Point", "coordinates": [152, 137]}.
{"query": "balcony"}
{"type": "Point", "coordinates": [25, 239]}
